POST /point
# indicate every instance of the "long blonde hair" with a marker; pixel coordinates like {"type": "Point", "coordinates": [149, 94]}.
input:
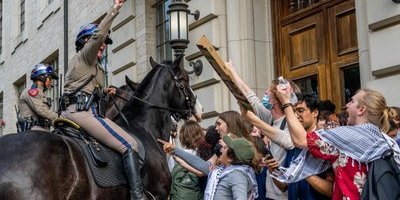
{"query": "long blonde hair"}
{"type": "Point", "coordinates": [377, 111]}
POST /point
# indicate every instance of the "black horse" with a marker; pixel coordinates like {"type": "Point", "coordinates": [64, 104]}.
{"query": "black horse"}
{"type": "Point", "coordinates": [36, 165]}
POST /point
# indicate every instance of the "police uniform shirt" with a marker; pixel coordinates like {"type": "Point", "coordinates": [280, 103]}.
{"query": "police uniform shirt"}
{"type": "Point", "coordinates": [33, 103]}
{"type": "Point", "coordinates": [84, 64]}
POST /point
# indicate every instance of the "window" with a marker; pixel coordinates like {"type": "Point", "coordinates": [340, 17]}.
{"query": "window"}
{"type": "Point", "coordinates": [296, 5]}
{"type": "Point", "coordinates": [104, 65]}
{"type": "Point", "coordinates": [1, 26]}
{"type": "Point", "coordinates": [2, 123]}
{"type": "Point", "coordinates": [22, 16]}
{"type": "Point", "coordinates": [308, 85]}
{"type": "Point", "coordinates": [54, 93]}
{"type": "Point", "coordinates": [20, 85]}
{"type": "Point", "coordinates": [1, 105]}
{"type": "Point", "coordinates": [351, 82]}
{"type": "Point", "coordinates": [164, 51]}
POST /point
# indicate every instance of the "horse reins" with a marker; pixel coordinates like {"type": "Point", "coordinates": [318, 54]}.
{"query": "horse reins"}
{"type": "Point", "coordinates": [148, 103]}
{"type": "Point", "coordinates": [181, 89]}
{"type": "Point", "coordinates": [119, 110]}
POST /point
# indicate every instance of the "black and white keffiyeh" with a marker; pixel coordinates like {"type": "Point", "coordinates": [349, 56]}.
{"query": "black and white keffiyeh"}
{"type": "Point", "coordinates": [221, 171]}
{"type": "Point", "coordinates": [363, 143]}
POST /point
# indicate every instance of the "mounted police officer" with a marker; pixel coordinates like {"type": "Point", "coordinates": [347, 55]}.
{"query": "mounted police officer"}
{"type": "Point", "coordinates": [34, 107]}
{"type": "Point", "coordinates": [84, 87]}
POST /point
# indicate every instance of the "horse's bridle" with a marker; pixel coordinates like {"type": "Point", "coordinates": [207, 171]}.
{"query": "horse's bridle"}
{"type": "Point", "coordinates": [189, 102]}
{"type": "Point", "coordinates": [177, 114]}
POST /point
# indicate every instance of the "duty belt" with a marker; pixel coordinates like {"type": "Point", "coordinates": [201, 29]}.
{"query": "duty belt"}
{"type": "Point", "coordinates": [26, 124]}
{"type": "Point", "coordinates": [42, 122]}
{"type": "Point", "coordinates": [82, 100]}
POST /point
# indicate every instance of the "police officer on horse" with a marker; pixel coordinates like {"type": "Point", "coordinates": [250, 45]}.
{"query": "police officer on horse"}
{"type": "Point", "coordinates": [83, 91]}
{"type": "Point", "coordinates": [34, 108]}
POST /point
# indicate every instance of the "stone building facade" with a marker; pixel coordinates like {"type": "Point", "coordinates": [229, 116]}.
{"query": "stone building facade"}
{"type": "Point", "coordinates": [241, 30]}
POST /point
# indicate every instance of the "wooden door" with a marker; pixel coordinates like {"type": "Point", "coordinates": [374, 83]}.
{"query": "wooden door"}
{"type": "Point", "coordinates": [316, 44]}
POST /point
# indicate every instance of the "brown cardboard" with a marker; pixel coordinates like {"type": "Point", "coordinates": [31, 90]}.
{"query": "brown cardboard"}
{"type": "Point", "coordinates": [208, 50]}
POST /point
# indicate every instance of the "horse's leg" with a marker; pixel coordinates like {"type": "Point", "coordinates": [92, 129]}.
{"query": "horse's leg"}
{"type": "Point", "coordinates": [157, 177]}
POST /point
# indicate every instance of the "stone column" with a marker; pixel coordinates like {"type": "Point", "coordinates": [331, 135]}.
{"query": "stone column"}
{"type": "Point", "coordinates": [145, 35]}
{"type": "Point", "coordinates": [250, 45]}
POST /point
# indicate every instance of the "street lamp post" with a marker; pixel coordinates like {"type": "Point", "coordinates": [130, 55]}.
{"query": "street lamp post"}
{"type": "Point", "coordinates": [179, 31]}
{"type": "Point", "coordinates": [178, 14]}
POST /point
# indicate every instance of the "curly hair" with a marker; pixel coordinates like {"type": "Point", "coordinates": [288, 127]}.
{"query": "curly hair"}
{"type": "Point", "coordinates": [189, 134]}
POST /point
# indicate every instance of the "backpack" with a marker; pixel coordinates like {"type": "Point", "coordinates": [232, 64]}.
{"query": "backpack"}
{"type": "Point", "coordinates": [383, 180]}
{"type": "Point", "coordinates": [185, 185]}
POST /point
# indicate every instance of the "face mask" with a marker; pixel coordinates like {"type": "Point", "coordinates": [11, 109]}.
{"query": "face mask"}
{"type": "Point", "coordinates": [266, 103]}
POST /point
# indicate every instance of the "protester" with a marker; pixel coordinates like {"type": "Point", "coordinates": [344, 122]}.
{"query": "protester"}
{"type": "Point", "coordinates": [83, 88]}
{"type": "Point", "coordinates": [317, 187]}
{"type": "Point", "coordinates": [314, 187]}
{"type": "Point", "coordinates": [186, 185]}
{"type": "Point", "coordinates": [332, 121]}
{"type": "Point", "coordinates": [393, 129]}
{"type": "Point", "coordinates": [205, 148]}
{"type": "Point", "coordinates": [396, 120]}
{"type": "Point", "coordinates": [347, 149]}
{"type": "Point", "coordinates": [231, 122]}
{"type": "Point", "coordinates": [325, 109]}
{"type": "Point", "coordinates": [269, 111]}
{"type": "Point", "coordinates": [234, 178]}
{"type": "Point", "coordinates": [34, 107]}
{"type": "Point", "coordinates": [343, 116]}
{"type": "Point", "coordinates": [261, 143]}
{"type": "Point", "coordinates": [393, 123]}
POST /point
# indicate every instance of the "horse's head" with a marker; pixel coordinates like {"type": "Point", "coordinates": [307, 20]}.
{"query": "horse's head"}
{"type": "Point", "coordinates": [182, 100]}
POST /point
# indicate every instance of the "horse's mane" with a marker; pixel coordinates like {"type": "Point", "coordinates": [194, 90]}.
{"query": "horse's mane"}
{"type": "Point", "coordinates": [151, 75]}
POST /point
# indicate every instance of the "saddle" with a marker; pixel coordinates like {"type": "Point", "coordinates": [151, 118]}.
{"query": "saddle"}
{"type": "Point", "coordinates": [105, 164]}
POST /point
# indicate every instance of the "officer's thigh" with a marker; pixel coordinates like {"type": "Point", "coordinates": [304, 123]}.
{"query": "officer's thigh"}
{"type": "Point", "coordinates": [102, 129]}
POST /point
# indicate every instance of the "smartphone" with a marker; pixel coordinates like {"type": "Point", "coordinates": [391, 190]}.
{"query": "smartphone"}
{"type": "Point", "coordinates": [268, 154]}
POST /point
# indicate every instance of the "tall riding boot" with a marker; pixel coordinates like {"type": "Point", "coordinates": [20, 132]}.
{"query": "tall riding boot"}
{"type": "Point", "coordinates": [132, 170]}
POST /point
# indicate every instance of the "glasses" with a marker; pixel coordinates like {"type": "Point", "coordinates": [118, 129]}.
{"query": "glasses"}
{"type": "Point", "coordinates": [330, 125]}
{"type": "Point", "coordinates": [300, 111]}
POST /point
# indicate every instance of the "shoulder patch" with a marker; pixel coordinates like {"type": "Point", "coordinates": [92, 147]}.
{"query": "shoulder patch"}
{"type": "Point", "coordinates": [33, 92]}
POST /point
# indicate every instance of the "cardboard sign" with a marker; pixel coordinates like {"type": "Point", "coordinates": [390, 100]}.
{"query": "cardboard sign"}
{"type": "Point", "coordinates": [208, 50]}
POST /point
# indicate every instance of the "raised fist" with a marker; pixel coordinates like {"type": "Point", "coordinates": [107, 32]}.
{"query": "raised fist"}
{"type": "Point", "coordinates": [118, 3]}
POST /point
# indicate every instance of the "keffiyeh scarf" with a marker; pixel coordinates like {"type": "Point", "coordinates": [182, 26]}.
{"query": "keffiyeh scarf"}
{"type": "Point", "coordinates": [221, 171]}
{"type": "Point", "coordinates": [363, 143]}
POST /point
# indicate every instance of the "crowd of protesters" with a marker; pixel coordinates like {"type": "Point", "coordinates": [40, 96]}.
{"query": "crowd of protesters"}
{"type": "Point", "coordinates": [290, 145]}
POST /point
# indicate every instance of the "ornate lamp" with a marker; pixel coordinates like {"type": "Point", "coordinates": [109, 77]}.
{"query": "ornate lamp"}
{"type": "Point", "coordinates": [178, 14]}
{"type": "Point", "coordinates": [179, 31]}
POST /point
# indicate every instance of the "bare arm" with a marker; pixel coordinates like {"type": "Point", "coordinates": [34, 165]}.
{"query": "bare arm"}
{"type": "Point", "coordinates": [243, 87]}
{"type": "Point", "coordinates": [296, 129]}
{"type": "Point", "coordinates": [249, 116]}
{"type": "Point", "coordinates": [254, 101]}
{"type": "Point", "coordinates": [323, 186]}
{"type": "Point", "coordinates": [274, 134]}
